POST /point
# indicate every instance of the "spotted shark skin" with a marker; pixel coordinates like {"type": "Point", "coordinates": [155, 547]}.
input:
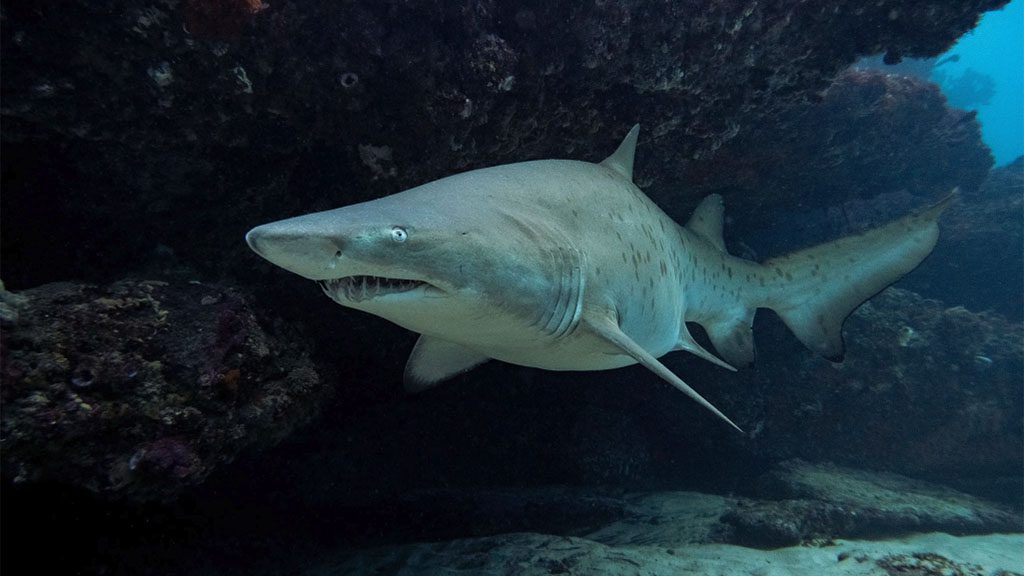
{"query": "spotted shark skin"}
{"type": "Point", "coordinates": [568, 265]}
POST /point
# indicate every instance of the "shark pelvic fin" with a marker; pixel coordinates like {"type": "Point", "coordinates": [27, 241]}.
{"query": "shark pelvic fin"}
{"type": "Point", "coordinates": [688, 344]}
{"type": "Point", "coordinates": [622, 159]}
{"type": "Point", "coordinates": [608, 329]}
{"type": "Point", "coordinates": [706, 221]}
{"type": "Point", "coordinates": [434, 360]}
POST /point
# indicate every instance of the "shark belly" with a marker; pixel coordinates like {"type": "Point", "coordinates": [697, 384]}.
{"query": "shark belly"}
{"type": "Point", "coordinates": [579, 352]}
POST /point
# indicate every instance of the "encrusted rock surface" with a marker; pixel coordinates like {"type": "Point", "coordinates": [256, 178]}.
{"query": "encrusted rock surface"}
{"type": "Point", "coordinates": [979, 260]}
{"type": "Point", "coordinates": [185, 123]}
{"type": "Point", "coordinates": [540, 555]}
{"type": "Point", "coordinates": [814, 171]}
{"type": "Point", "coordinates": [138, 389]}
{"type": "Point", "coordinates": [925, 390]}
{"type": "Point", "coordinates": [821, 501]}
{"type": "Point", "coordinates": [521, 530]}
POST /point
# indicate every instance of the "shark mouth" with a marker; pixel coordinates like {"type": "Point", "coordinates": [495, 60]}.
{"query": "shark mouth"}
{"type": "Point", "coordinates": [359, 288]}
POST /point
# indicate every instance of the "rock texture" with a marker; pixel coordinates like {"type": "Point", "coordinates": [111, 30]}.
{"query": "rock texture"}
{"type": "Point", "coordinates": [184, 123]}
{"type": "Point", "coordinates": [805, 502]}
{"type": "Point", "coordinates": [815, 171]}
{"type": "Point", "coordinates": [540, 555]}
{"type": "Point", "coordinates": [558, 529]}
{"type": "Point", "coordinates": [667, 532]}
{"type": "Point", "coordinates": [139, 389]}
{"type": "Point", "coordinates": [925, 390]}
{"type": "Point", "coordinates": [979, 262]}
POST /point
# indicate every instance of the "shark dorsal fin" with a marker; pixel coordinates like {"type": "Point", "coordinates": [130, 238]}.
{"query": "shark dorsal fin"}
{"type": "Point", "coordinates": [622, 159]}
{"type": "Point", "coordinates": [606, 328]}
{"type": "Point", "coordinates": [706, 221]}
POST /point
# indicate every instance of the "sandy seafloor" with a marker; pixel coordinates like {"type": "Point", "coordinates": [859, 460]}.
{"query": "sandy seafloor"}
{"type": "Point", "coordinates": [526, 553]}
{"type": "Point", "coordinates": [670, 533]}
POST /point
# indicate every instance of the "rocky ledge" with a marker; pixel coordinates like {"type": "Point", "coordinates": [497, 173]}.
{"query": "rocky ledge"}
{"type": "Point", "coordinates": [138, 389]}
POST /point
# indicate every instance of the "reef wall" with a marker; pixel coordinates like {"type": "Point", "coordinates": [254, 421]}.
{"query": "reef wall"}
{"type": "Point", "coordinates": [138, 128]}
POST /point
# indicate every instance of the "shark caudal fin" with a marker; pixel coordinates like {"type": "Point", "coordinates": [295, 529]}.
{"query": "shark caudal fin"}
{"type": "Point", "coordinates": [814, 290]}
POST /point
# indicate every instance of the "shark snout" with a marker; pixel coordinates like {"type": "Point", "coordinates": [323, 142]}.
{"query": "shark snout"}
{"type": "Point", "coordinates": [253, 237]}
{"type": "Point", "coordinates": [309, 255]}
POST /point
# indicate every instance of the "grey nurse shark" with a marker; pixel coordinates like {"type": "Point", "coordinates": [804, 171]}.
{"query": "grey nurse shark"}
{"type": "Point", "coordinates": [567, 265]}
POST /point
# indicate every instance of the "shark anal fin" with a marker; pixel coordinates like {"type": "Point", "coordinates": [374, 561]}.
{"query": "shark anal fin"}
{"type": "Point", "coordinates": [608, 329]}
{"type": "Point", "coordinates": [733, 337]}
{"type": "Point", "coordinates": [434, 360]}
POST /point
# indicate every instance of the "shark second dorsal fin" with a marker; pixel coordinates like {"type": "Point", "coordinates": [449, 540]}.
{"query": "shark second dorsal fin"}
{"type": "Point", "coordinates": [706, 221]}
{"type": "Point", "coordinates": [608, 330]}
{"type": "Point", "coordinates": [622, 159]}
{"type": "Point", "coordinates": [434, 360]}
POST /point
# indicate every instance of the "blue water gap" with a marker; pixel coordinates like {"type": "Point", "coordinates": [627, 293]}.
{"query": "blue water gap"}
{"type": "Point", "coordinates": [984, 71]}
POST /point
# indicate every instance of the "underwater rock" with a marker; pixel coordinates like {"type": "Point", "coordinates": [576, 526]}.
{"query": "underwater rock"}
{"type": "Point", "coordinates": [982, 247]}
{"type": "Point", "coordinates": [875, 145]}
{"type": "Point", "coordinates": [795, 503]}
{"type": "Point", "coordinates": [871, 133]}
{"type": "Point", "coordinates": [823, 501]}
{"type": "Point", "coordinates": [162, 113]}
{"type": "Point", "coordinates": [528, 553]}
{"type": "Point", "coordinates": [138, 389]}
{"type": "Point", "coordinates": [925, 390]}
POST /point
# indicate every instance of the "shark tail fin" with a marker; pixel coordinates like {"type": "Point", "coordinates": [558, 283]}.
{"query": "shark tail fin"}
{"type": "Point", "coordinates": [814, 290]}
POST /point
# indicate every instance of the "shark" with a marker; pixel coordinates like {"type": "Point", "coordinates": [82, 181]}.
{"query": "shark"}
{"type": "Point", "coordinates": [568, 265]}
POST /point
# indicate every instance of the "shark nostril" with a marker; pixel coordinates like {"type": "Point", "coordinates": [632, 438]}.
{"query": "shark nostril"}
{"type": "Point", "coordinates": [337, 254]}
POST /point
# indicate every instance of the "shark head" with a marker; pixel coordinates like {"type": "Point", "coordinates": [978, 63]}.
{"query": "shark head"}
{"type": "Point", "coordinates": [424, 259]}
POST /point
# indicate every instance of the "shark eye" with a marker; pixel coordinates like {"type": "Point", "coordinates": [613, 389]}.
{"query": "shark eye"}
{"type": "Point", "coordinates": [398, 234]}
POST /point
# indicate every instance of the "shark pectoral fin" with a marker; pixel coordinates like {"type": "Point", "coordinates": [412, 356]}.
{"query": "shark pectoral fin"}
{"type": "Point", "coordinates": [688, 344]}
{"type": "Point", "coordinates": [608, 329]}
{"type": "Point", "coordinates": [434, 360]}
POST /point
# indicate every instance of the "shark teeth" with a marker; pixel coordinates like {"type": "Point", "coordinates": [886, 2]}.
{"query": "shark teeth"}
{"type": "Point", "coordinates": [359, 288]}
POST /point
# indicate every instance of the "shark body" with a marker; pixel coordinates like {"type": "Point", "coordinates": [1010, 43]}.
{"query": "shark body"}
{"type": "Point", "coordinates": [567, 265]}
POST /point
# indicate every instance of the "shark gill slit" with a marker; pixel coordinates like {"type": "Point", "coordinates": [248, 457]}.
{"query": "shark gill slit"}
{"type": "Point", "coordinates": [563, 316]}
{"type": "Point", "coordinates": [574, 308]}
{"type": "Point", "coordinates": [564, 293]}
{"type": "Point", "coordinates": [548, 313]}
